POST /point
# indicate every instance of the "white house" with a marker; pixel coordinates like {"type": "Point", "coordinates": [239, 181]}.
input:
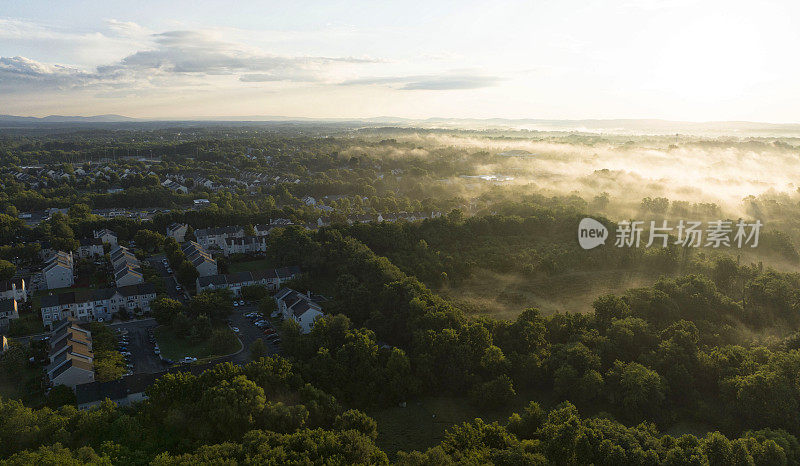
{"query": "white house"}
{"type": "Point", "coordinates": [169, 184]}
{"type": "Point", "coordinates": [298, 307]}
{"type": "Point", "coordinates": [58, 271]}
{"type": "Point", "coordinates": [245, 245]}
{"type": "Point", "coordinates": [96, 305]}
{"type": "Point", "coordinates": [127, 269]}
{"type": "Point", "coordinates": [90, 247]}
{"type": "Point", "coordinates": [200, 259]}
{"type": "Point", "coordinates": [210, 238]}
{"type": "Point", "coordinates": [106, 236]}
{"type": "Point", "coordinates": [272, 279]}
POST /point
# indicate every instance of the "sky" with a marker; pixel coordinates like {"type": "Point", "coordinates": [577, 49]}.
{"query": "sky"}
{"type": "Point", "coordinates": [566, 59]}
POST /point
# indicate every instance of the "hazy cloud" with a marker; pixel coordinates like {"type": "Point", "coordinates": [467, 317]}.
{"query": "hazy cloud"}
{"type": "Point", "coordinates": [430, 82]}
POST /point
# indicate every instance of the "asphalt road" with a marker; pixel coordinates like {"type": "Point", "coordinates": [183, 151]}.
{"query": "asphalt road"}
{"type": "Point", "coordinates": [144, 360]}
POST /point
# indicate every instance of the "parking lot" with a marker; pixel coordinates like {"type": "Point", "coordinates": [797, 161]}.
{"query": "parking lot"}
{"type": "Point", "coordinates": [248, 332]}
{"type": "Point", "coordinates": [174, 290]}
{"type": "Point", "coordinates": [135, 338]}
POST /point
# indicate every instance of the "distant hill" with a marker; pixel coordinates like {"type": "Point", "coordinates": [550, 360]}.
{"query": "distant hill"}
{"type": "Point", "coordinates": [609, 126]}
{"type": "Point", "coordinates": [66, 119]}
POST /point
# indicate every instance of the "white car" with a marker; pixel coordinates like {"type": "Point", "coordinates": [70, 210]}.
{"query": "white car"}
{"type": "Point", "coordinates": [188, 360]}
{"type": "Point", "coordinates": [235, 304]}
{"type": "Point", "coordinates": [235, 329]}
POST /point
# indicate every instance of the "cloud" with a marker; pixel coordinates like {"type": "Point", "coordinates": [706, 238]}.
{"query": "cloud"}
{"type": "Point", "coordinates": [21, 70]}
{"type": "Point", "coordinates": [176, 56]}
{"type": "Point", "coordinates": [430, 82]}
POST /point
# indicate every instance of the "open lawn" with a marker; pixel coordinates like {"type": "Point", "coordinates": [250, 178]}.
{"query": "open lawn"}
{"type": "Point", "coordinates": [250, 266]}
{"type": "Point", "coordinates": [175, 348]}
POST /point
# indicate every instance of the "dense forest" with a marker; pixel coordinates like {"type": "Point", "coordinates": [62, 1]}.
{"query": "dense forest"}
{"type": "Point", "coordinates": [696, 364]}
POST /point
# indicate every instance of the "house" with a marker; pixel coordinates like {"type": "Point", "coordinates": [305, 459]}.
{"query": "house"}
{"type": "Point", "coordinates": [177, 231]}
{"type": "Point", "coordinates": [128, 274]}
{"type": "Point", "coordinates": [200, 259]}
{"type": "Point", "coordinates": [134, 298]}
{"type": "Point", "coordinates": [70, 354]}
{"type": "Point", "coordinates": [272, 279]}
{"type": "Point", "coordinates": [299, 307]}
{"type": "Point", "coordinates": [58, 271]}
{"type": "Point", "coordinates": [106, 236]}
{"type": "Point", "coordinates": [8, 311]}
{"type": "Point", "coordinates": [365, 218]}
{"type": "Point", "coordinates": [90, 247]}
{"type": "Point", "coordinates": [14, 289]}
{"type": "Point", "coordinates": [201, 182]}
{"type": "Point", "coordinates": [124, 391]}
{"type": "Point", "coordinates": [210, 238]}
{"type": "Point", "coordinates": [82, 305]}
{"type": "Point", "coordinates": [245, 245]}
{"type": "Point", "coordinates": [97, 305]}
{"type": "Point", "coordinates": [201, 202]}
{"type": "Point", "coordinates": [130, 389]}
{"type": "Point", "coordinates": [127, 269]}
{"type": "Point", "coordinates": [172, 185]}
{"type": "Point", "coordinates": [262, 230]}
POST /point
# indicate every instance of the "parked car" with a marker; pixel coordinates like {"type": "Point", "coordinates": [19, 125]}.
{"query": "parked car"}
{"type": "Point", "coordinates": [241, 303]}
{"type": "Point", "coordinates": [235, 329]}
{"type": "Point", "coordinates": [188, 360]}
{"type": "Point", "coordinates": [235, 304]}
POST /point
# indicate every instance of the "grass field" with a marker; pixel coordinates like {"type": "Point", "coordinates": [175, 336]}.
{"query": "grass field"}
{"type": "Point", "coordinates": [250, 266]}
{"type": "Point", "coordinates": [176, 348]}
